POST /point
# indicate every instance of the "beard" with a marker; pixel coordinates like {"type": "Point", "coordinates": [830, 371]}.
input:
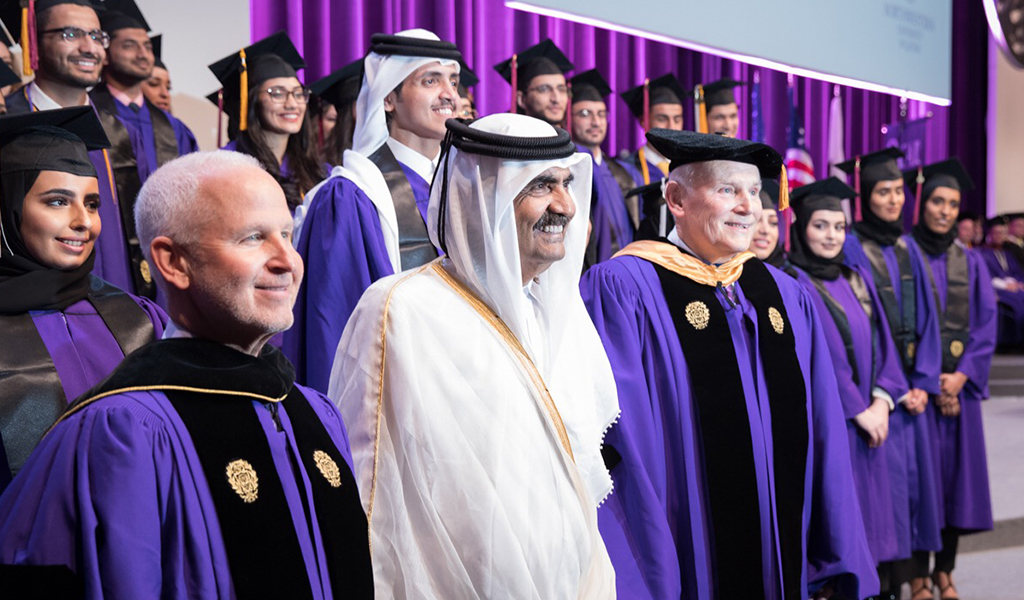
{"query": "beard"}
{"type": "Point", "coordinates": [62, 73]}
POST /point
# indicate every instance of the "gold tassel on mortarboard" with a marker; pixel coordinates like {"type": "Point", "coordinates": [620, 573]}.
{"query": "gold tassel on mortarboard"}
{"type": "Point", "coordinates": [243, 110]}
{"type": "Point", "coordinates": [702, 112]}
{"type": "Point", "coordinates": [783, 189]}
{"type": "Point", "coordinates": [26, 42]}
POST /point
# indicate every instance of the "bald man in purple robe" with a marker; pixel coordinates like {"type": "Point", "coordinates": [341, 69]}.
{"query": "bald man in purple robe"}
{"type": "Point", "coordinates": [730, 461]}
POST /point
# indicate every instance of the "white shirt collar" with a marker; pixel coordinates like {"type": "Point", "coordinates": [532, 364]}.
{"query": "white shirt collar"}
{"type": "Point", "coordinates": [673, 236]}
{"type": "Point", "coordinates": [421, 165]}
{"type": "Point", "coordinates": [43, 102]}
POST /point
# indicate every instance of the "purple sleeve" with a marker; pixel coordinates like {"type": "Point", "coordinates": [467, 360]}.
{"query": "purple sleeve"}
{"type": "Point", "coordinates": [977, 357]}
{"type": "Point", "coordinates": [156, 315]}
{"type": "Point", "coordinates": [331, 418]}
{"type": "Point", "coordinates": [186, 141]}
{"type": "Point", "coordinates": [634, 519]}
{"type": "Point", "coordinates": [837, 547]}
{"type": "Point", "coordinates": [343, 249]}
{"type": "Point", "coordinates": [928, 355]}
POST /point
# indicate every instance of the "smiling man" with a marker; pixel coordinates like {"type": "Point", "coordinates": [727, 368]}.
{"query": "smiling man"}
{"type": "Point", "coordinates": [368, 220]}
{"type": "Point", "coordinates": [478, 444]}
{"type": "Point", "coordinates": [731, 432]}
{"type": "Point", "coordinates": [538, 76]}
{"type": "Point", "coordinates": [142, 136]}
{"type": "Point", "coordinates": [198, 468]}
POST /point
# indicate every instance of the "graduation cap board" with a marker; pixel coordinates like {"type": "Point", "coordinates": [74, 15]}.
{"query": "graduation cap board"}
{"type": "Point", "coordinates": [769, 194]}
{"type": "Point", "coordinates": [340, 87]}
{"type": "Point", "coordinates": [51, 140]}
{"type": "Point", "coordinates": [590, 86]}
{"type": "Point", "coordinates": [708, 96]}
{"type": "Point", "coordinates": [925, 179]}
{"type": "Point", "coordinates": [21, 20]}
{"type": "Point", "coordinates": [119, 14]}
{"type": "Point", "coordinates": [541, 59]}
{"type": "Point", "coordinates": [467, 79]}
{"type": "Point", "coordinates": [872, 167]}
{"type": "Point", "coordinates": [664, 90]}
{"type": "Point", "coordinates": [273, 56]}
{"type": "Point", "coordinates": [158, 46]}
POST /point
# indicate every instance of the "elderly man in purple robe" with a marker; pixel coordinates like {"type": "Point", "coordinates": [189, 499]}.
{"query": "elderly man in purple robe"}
{"type": "Point", "coordinates": [368, 219]}
{"type": "Point", "coordinates": [72, 47]}
{"type": "Point", "coordinates": [64, 328]}
{"type": "Point", "coordinates": [613, 218]}
{"type": "Point", "coordinates": [730, 460]}
{"type": "Point", "coordinates": [967, 308]}
{"type": "Point", "coordinates": [1007, 278]}
{"type": "Point", "coordinates": [198, 468]}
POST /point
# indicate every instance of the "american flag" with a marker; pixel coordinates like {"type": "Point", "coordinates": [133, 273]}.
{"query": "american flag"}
{"type": "Point", "coordinates": [799, 165]}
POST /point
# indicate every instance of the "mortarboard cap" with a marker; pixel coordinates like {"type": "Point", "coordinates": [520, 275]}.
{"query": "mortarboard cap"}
{"type": "Point", "coordinates": [769, 194]}
{"type": "Point", "coordinates": [51, 140]}
{"type": "Point", "coordinates": [996, 220]}
{"type": "Point", "coordinates": [663, 90]}
{"type": "Point", "coordinates": [824, 194]}
{"type": "Point", "coordinates": [467, 79]}
{"type": "Point", "coordinates": [273, 56]}
{"type": "Point", "coordinates": [542, 59]}
{"type": "Point", "coordinates": [340, 87]}
{"type": "Point", "coordinates": [947, 173]}
{"type": "Point", "coordinates": [720, 92]}
{"type": "Point", "coordinates": [872, 168]}
{"type": "Point", "coordinates": [158, 46]}
{"type": "Point", "coordinates": [1014, 216]}
{"type": "Point", "coordinates": [119, 14]}
{"type": "Point", "coordinates": [12, 15]}
{"type": "Point", "coordinates": [590, 86]}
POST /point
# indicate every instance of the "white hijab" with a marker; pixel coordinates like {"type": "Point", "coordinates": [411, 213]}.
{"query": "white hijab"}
{"type": "Point", "coordinates": [483, 252]}
{"type": "Point", "coordinates": [381, 75]}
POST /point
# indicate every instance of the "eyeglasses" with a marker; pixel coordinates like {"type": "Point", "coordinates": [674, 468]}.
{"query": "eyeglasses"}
{"type": "Point", "coordinates": [547, 89]}
{"type": "Point", "coordinates": [586, 112]}
{"type": "Point", "coordinates": [73, 35]}
{"type": "Point", "coordinates": [279, 95]}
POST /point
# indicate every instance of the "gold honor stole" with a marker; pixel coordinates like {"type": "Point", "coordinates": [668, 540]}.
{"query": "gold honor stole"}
{"type": "Point", "coordinates": [669, 257]}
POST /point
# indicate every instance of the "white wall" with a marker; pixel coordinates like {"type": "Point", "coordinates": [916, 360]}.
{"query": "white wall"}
{"type": "Point", "coordinates": [196, 33]}
{"type": "Point", "coordinates": [1005, 133]}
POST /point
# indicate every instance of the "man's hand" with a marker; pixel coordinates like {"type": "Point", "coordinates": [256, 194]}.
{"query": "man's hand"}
{"type": "Point", "coordinates": [949, 405]}
{"type": "Point", "coordinates": [952, 383]}
{"type": "Point", "coordinates": [916, 401]}
{"type": "Point", "coordinates": [875, 422]}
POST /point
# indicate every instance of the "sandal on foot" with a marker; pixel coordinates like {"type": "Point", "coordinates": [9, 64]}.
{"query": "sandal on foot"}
{"type": "Point", "coordinates": [920, 586]}
{"type": "Point", "coordinates": [943, 588]}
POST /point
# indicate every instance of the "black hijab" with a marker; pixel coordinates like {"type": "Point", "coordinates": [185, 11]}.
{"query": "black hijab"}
{"type": "Point", "coordinates": [935, 244]}
{"type": "Point", "coordinates": [30, 144]}
{"type": "Point", "coordinates": [826, 194]}
{"type": "Point", "coordinates": [872, 226]}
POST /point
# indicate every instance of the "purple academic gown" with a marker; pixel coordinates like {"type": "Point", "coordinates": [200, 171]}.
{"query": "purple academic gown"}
{"type": "Point", "coordinates": [612, 228]}
{"type": "Point", "coordinates": [960, 441]}
{"type": "Point", "coordinates": [653, 523]}
{"type": "Point", "coordinates": [117, 493]}
{"type": "Point", "coordinates": [913, 467]}
{"type": "Point", "coordinates": [111, 250]}
{"type": "Point", "coordinates": [342, 246]}
{"type": "Point", "coordinates": [1001, 264]}
{"type": "Point", "coordinates": [144, 143]}
{"type": "Point", "coordinates": [870, 465]}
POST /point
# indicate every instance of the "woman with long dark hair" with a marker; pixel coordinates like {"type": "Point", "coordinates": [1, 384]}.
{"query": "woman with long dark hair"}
{"type": "Point", "coordinates": [268, 119]}
{"type": "Point", "coordinates": [64, 329]}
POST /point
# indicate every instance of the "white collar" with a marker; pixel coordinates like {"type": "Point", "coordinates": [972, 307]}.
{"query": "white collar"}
{"type": "Point", "coordinates": [43, 102]}
{"type": "Point", "coordinates": [421, 165]}
{"type": "Point", "coordinates": [673, 236]}
{"type": "Point", "coordinates": [653, 156]}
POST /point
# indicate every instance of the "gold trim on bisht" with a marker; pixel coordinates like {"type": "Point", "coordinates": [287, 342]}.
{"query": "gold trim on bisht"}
{"type": "Point", "coordinates": [690, 267]}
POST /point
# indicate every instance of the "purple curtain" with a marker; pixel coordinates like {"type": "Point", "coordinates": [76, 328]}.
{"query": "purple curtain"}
{"type": "Point", "coordinates": [332, 33]}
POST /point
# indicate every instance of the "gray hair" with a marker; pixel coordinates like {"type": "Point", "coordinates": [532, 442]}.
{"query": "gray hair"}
{"type": "Point", "coordinates": [170, 204]}
{"type": "Point", "coordinates": [691, 177]}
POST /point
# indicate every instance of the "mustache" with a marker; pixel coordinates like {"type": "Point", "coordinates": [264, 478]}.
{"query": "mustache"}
{"type": "Point", "coordinates": [550, 218]}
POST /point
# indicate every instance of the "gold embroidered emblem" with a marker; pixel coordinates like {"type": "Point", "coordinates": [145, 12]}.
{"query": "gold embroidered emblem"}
{"type": "Point", "coordinates": [778, 324]}
{"type": "Point", "coordinates": [911, 349]}
{"type": "Point", "coordinates": [697, 314]}
{"type": "Point", "coordinates": [144, 269]}
{"type": "Point", "coordinates": [328, 468]}
{"type": "Point", "coordinates": [243, 480]}
{"type": "Point", "coordinates": [956, 348]}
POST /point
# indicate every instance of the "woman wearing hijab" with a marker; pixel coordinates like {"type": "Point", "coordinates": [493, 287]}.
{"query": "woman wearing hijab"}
{"type": "Point", "coordinates": [863, 354]}
{"type": "Point", "coordinates": [64, 329]}
{"type": "Point", "coordinates": [967, 327]}
{"type": "Point", "coordinates": [268, 117]}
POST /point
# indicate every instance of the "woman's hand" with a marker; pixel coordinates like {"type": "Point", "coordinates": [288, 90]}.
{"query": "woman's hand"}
{"type": "Point", "coordinates": [875, 422]}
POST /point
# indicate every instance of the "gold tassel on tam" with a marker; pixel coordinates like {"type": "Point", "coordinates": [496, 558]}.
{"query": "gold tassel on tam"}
{"type": "Point", "coordinates": [515, 82]}
{"type": "Point", "coordinates": [702, 112]}
{"type": "Point", "coordinates": [783, 189]}
{"type": "Point", "coordinates": [26, 56]}
{"type": "Point", "coordinates": [244, 93]}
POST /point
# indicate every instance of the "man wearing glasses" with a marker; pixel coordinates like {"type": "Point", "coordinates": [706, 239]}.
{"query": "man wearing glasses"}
{"type": "Point", "coordinates": [142, 136]}
{"type": "Point", "coordinates": [537, 75]}
{"type": "Point", "coordinates": [71, 50]}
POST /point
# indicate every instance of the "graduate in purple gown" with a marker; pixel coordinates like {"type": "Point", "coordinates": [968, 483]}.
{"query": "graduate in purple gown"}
{"type": "Point", "coordinates": [1008, 281]}
{"type": "Point", "coordinates": [879, 248]}
{"type": "Point", "coordinates": [967, 329]}
{"type": "Point", "coordinates": [656, 103]}
{"type": "Point", "coordinates": [60, 82]}
{"type": "Point", "coordinates": [730, 460]}
{"type": "Point", "coordinates": [64, 329]}
{"type": "Point", "coordinates": [867, 366]}
{"type": "Point", "coordinates": [612, 219]}
{"type": "Point", "coordinates": [198, 469]}
{"type": "Point", "coordinates": [716, 107]}
{"type": "Point", "coordinates": [368, 220]}
{"type": "Point", "coordinates": [268, 119]}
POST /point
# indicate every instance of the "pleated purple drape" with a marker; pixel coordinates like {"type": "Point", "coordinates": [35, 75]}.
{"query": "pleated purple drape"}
{"type": "Point", "coordinates": [331, 33]}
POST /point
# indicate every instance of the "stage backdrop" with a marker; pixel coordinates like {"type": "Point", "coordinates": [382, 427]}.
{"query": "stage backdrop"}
{"type": "Point", "coordinates": [332, 33]}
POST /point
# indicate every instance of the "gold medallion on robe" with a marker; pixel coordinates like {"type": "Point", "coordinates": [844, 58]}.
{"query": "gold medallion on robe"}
{"type": "Point", "coordinates": [775, 317]}
{"type": "Point", "coordinates": [911, 349]}
{"type": "Point", "coordinates": [328, 468]}
{"type": "Point", "coordinates": [956, 348]}
{"type": "Point", "coordinates": [697, 314]}
{"type": "Point", "coordinates": [147, 276]}
{"type": "Point", "coordinates": [243, 480]}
